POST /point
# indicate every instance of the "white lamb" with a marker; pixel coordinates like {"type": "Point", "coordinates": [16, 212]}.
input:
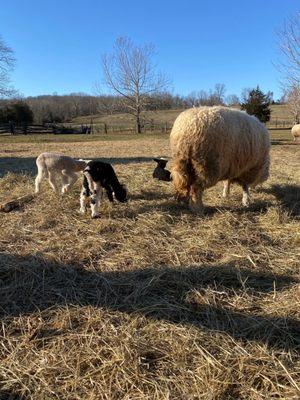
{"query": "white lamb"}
{"type": "Point", "coordinates": [54, 166]}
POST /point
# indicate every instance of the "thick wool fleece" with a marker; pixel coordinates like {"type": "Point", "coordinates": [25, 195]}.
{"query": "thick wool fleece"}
{"type": "Point", "coordinates": [296, 131]}
{"type": "Point", "coordinates": [210, 144]}
{"type": "Point", "coordinates": [57, 162]}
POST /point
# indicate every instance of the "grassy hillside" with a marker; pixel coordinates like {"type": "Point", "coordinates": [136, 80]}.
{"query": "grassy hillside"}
{"type": "Point", "coordinates": [278, 112]}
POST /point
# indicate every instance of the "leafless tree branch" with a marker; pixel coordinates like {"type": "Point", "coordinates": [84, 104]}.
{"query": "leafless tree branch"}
{"type": "Point", "coordinates": [130, 73]}
{"type": "Point", "coordinates": [7, 62]}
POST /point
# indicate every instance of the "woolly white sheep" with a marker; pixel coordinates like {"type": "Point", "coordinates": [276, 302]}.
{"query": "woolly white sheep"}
{"type": "Point", "coordinates": [210, 144]}
{"type": "Point", "coordinates": [53, 166]}
{"type": "Point", "coordinates": [296, 131]}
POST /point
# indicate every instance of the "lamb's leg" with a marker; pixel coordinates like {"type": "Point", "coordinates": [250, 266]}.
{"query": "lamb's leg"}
{"type": "Point", "coordinates": [53, 182]}
{"type": "Point", "coordinates": [226, 189]}
{"type": "Point", "coordinates": [65, 182]}
{"type": "Point", "coordinates": [38, 180]}
{"type": "Point", "coordinates": [196, 203]}
{"type": "Point", "coordinates": [83, 200]}
{"type": "Point", "coordinates": [70, 178]}
{"type": "Point", "coordinates": [109, 193]}
{"type": "Point", "coordinates": [246, 195]}
{"type": "Point", "coordinates": [95, 200]}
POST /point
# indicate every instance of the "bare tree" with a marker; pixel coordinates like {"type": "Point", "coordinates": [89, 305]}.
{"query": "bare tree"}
{"type": "Point", "coordinates": [232, 100]}
{"type": "Point", "coordinates": [292, 99]}
{"type": "Point", "coordinates": [7, 62]}
{"type": "Point", "coordinates": [289, 44]}
{"type": "Point", "coordinates": [130, 73]}
{"type": "Point", "coordinates": [219, 93]}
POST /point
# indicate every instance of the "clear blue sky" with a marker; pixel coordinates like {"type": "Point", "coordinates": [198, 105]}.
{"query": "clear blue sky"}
{"type": "Point", "coordinates": [58, 43]}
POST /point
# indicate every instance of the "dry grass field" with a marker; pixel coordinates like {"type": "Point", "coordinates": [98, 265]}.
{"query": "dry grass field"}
{"type": "Point", "coordinates": [149, 301]}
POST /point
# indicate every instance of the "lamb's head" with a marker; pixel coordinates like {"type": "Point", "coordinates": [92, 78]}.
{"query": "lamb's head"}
{"type": "Point", "coordinates": [120, 193]}
{"type": "Point", "coordinates": [81, 164]}
{"type": "Point", "coordinates": [160, 172]}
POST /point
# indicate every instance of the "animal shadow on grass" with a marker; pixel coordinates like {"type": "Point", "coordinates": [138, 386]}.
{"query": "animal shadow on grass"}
{"type": "Point", "coordinates": [151, 195]}
{"type": "Point", "coordinates": [288, 196]}
{"type": "Point", "coordinates": [172, 207]}
{"type": "Point", "coordinates": [30, 284]}
{"type": "Point", "coordinates": [8, 395]}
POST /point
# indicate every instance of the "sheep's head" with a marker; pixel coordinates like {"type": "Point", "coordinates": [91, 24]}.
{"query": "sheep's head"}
{"type": "Point", "coordinates": [121, 193]}
{"type": "Point", "coordinates": [81, 164]}
{"type": "Point", "coordinates": [160, 172]}
{"type": "Point", "coordinates": [161, 162]}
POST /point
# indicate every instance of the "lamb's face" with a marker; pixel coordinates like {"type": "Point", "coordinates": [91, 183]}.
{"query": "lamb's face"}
{"type": "Point", "coordinates": [81, 164]}
{"type": "Point", "coordinates": [121, 194]}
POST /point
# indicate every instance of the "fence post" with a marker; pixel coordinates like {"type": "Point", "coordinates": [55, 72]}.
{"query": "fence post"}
{"type": "Point", "coordinates": [166, 127]}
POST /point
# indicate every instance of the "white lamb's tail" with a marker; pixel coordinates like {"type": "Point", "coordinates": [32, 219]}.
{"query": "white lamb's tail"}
{"type": "Point", "coordinates": [41, 165]}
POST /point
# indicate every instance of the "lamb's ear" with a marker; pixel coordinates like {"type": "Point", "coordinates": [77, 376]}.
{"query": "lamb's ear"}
{"type": "Point", "coordinates": [162, 162]}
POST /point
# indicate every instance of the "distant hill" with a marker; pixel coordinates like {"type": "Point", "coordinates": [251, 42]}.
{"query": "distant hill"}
{"type": "Point", "coordinates": [280, 116]}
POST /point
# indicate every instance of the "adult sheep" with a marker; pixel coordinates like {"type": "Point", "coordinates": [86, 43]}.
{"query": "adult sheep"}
{"type": "Point", "coordinates": [211, 144]}
{"type": "Point", "coordinates": [296, 131]}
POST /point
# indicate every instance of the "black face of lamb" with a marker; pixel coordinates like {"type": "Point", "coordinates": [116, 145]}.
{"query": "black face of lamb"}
{"type": "Point", "coordinates": [162, 174]}
{"type": "Point", "coordinates": [120, 193]}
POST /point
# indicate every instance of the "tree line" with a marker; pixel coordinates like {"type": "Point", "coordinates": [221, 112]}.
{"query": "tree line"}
{"type": "Point", "coordinates": [133, 84]}
{"type": "Point", "coordinates": [53, 109]}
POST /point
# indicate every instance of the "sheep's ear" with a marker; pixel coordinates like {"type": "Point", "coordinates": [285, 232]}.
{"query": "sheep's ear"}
{"type": "Point", "coordinates": [161, 162]}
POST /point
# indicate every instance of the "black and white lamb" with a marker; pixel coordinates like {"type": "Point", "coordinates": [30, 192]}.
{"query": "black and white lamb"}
{"type": "Point", "coordinates": [99, 175]}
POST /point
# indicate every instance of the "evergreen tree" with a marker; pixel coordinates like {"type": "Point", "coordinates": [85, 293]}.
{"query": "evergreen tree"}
{"type": "Point", "coordinates": [257, 103]}
{"type": "Point", "coordinates": [18, 113]}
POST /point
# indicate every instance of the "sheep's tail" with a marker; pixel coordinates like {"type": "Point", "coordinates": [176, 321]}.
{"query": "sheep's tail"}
{"type": "Point", "coordinates": [182, 176]}
{"type": "Point", "coordinates": [42, 167]}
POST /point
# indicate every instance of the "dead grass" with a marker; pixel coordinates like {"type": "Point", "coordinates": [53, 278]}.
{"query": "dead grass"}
{"type": "Point", "coordinates": [150, 301]}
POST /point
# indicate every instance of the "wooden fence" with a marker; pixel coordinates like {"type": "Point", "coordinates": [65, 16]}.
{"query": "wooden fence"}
{"type": "Point", "coordinates": [103, 128]}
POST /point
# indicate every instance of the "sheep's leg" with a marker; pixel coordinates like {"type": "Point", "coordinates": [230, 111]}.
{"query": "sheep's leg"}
{"type": "Point", "coordinates": [83, 200]}
{"type": "Point", "coordinates": [53, 182]}
{"type": "Point", "coordinates": [246, 195]}
{"type": "Point", "coordinates": [109, 193]}
{"type": "Point", "coordinates": [69, 179]}
{"type": "Point", "coordinates": [226, 189]}
{"type": "Point", "coordinates": [196, 203]}
{"type": "Point", "coordinates": [95, 200]}
{"type": "Point", "coordinates": [65, 182]}
{"type": "Point", "coordinates": [38, 180]}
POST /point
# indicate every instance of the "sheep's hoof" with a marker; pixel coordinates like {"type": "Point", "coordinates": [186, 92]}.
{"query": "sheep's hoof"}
{"type": "Point", "coordinates": [96, 216]}
{"type": "Point", "coordinates": [246, 202]}
{"type": "Point", "coordinates": [82, 210]}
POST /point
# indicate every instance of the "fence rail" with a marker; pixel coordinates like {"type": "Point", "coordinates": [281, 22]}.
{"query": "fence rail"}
{"type": "Point", "coordinates": [105, 128]}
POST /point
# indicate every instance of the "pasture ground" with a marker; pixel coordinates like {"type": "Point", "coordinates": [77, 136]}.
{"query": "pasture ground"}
{"type": "Point", "coordinates": [149, 301]}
